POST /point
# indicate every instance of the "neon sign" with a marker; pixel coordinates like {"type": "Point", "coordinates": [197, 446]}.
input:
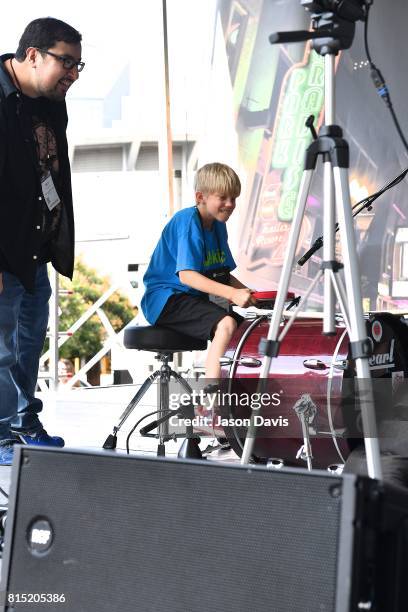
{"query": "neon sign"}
{"type": "Point", "coordinates": [302, 95]}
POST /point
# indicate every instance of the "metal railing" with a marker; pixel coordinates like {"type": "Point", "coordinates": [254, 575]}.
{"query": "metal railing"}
{"type": "Point", "coordinates": [58, 338]}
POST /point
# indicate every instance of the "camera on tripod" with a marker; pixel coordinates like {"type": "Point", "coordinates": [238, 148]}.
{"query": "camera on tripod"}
{"type": "Point", "coordinates": [351, 10]}
{"type": "Point", "coordinates": [333, 23]}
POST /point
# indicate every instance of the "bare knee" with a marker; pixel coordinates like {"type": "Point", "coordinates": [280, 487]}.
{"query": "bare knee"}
{"type": "Point", "coordinates": [226, 327]}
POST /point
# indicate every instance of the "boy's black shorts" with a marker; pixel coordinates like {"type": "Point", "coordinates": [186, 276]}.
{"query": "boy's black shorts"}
{"type": "Point", "coordinates": [194, 316]}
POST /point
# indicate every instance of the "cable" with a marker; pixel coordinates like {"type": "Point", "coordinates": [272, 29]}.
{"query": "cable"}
{"type": "Point", "coordinates": [138, 423]}
{"type": "Point", "coordinates": [2, 491]}
{"type": "Point", "coordinates": [366, 203]}
{"type": "Point", "coordinates": [379, 81]}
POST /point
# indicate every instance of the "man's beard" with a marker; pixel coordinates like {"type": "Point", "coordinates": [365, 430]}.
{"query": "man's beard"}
{"type": "Point", "coordinates": [55, 94]}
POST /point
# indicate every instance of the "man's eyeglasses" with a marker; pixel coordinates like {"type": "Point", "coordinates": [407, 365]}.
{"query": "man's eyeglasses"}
{"type": "Point", "coordinates": [67, 62]}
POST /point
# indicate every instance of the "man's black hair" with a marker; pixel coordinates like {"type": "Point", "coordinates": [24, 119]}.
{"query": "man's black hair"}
{"type": "Point", "coordinates": [44, 33]}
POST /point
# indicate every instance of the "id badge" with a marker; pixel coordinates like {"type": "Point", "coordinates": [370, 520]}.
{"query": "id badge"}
{"type": "Point", "coordinates": [49, 192]}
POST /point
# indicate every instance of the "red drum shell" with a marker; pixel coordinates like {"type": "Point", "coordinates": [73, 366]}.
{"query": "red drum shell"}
{"type": "Point", "coordinates": [303, 365]}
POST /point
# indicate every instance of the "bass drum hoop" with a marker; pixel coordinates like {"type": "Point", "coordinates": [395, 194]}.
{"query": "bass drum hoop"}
{"type": "Point", "coordinates": [231, 431]}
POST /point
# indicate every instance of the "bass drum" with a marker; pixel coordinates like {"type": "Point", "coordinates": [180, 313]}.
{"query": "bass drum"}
{"type": "Point", "coordinates": [311, 370]}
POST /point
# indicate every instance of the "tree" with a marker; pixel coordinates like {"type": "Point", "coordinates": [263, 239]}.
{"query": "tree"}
{"type": "Point", "coordinates": [88, 287]}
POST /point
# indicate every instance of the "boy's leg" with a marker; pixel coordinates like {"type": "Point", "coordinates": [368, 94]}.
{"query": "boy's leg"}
{"type": "Point", "coordinates": [200, 318]}
{"type": "Point", "coordinates": [223, 333]}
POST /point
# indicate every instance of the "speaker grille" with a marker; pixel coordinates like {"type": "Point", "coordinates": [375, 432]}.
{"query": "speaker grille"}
{"type": "Point", "coordinates": [149, 534]}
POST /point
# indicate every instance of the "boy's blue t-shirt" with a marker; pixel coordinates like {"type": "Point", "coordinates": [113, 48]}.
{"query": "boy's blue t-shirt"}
{"type": "Point", "coordinates": [183, 245]}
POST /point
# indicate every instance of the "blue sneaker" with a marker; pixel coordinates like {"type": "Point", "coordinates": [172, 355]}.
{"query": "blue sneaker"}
{"type": "Point", "coordinates": [6, 454]}
{"type": "Point", "coordinates": [39, 438]}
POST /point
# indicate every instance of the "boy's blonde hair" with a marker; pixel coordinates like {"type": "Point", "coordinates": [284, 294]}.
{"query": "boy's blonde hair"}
{"type": "Point", "coordinates": [217, 178]}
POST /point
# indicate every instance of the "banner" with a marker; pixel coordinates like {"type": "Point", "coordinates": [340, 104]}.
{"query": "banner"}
{"type": "Point", "coordinates": [274, 90]}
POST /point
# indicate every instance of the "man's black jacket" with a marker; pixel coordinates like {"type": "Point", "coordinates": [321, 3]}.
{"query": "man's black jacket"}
{"type": "Point", "coordinates": [20, 188]}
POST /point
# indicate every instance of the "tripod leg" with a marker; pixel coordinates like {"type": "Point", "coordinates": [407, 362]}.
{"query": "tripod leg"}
{"type": "Point", "coordinates": [272, 349]}
{"type": "Point", "coordinates": [357, 331]}
{"type": "Point", "coordinates": [289, 258]}
{"type": "Point", "coordinates": [341, 297]}
{"type": "Point", "coordinates": [329, 211]}
{"type": "Point", "coordinates": [110, 442]}
{"type": "Point", "coordinates": [328, 248]}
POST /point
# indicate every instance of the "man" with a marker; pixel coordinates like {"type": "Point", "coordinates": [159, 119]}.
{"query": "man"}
{"type": "Point", "coordinates": [36, 216]}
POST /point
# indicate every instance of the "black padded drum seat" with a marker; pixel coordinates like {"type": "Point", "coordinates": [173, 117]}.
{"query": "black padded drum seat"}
{"type": "Point", "coordinates": [160, 340]}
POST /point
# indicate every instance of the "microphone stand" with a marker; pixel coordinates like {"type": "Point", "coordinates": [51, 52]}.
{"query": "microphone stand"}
{"type": "Point", "coordinates": [358, 208]}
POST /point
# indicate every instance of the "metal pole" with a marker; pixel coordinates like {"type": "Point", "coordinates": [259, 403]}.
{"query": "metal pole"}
{"type": "Point", "coordinates": [165, 136]}
{"type": "Point", "coordinates": [329, 215]}
{"type": "Point", "coordinates": [54, 330]}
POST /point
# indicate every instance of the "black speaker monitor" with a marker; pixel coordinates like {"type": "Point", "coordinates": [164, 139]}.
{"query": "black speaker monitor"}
{"type": "Point", "coordinates": [105, 532]}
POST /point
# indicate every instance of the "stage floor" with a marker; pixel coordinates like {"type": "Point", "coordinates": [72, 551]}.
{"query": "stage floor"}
{"type": "Point", "coordinates": [84, 417]}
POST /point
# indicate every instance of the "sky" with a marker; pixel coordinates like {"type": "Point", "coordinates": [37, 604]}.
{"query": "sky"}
{"type": "Point", "coordinates": [112, 37]}
{"type": "Point", "coordinates": [123, 32]}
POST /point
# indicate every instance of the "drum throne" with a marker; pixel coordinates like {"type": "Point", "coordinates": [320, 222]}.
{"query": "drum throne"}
{"type": "Point", "coordinates": [164, 343]}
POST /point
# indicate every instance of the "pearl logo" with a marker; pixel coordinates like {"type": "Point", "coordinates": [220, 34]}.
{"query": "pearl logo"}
{"type": "Point", "coordinates": [377, 331]}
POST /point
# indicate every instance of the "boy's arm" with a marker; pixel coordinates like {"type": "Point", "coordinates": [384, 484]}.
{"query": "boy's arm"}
{"type": "Point", "coordinates": [239, 296]}
{"type": "Point", "coordinates": [234, 282]}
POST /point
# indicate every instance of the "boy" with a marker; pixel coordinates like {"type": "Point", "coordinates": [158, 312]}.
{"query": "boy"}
{"type": "Point", "coordinates": [188, 283]}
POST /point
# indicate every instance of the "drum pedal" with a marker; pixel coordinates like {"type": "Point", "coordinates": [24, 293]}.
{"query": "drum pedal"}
{"type": "Point", "coordinates": [336, 433]}
{"type": "Point", "coordinates": [336, 469]}
{"type": "Point", "coordinates": [211, 448]}
{"type": "Point", "coordinates": [303, 454]}
{"type": "Point", "coordinates": [275, 464]}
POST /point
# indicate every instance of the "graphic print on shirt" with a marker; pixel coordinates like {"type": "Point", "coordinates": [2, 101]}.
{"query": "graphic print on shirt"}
{"type": "Point", "coordinates": [47, 153]}
{"type": "Point", "coordinates": [214, 257]}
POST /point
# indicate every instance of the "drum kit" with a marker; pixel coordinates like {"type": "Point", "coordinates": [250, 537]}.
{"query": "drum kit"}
{"type": "Point", "coordinates": [312, 366]}
{"type": "Point", "coordinates": [332, 371]}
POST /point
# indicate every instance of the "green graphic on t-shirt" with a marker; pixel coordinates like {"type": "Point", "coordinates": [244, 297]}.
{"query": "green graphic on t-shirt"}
{"type": "Point", "coordinates": [215, 256]}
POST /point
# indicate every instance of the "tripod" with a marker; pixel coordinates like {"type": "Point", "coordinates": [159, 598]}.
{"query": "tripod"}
{"type": "Point", "coordinates": [334, 149]}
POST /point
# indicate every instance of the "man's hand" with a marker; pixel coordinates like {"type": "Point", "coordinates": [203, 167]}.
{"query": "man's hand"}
{"type": "Point", "coordinates": [243, 298]}
{"type": "Point", "coordinates": [1, 282]}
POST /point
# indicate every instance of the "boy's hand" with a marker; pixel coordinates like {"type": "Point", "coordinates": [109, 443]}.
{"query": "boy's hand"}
{"type": "Point", "coordinates": [243, 298]}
